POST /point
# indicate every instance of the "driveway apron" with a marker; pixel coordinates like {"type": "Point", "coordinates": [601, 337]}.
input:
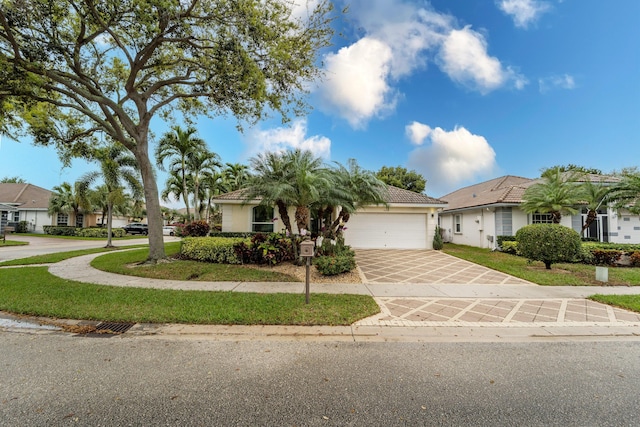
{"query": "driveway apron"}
{"type": "Point", "coordinates": [421, 268]}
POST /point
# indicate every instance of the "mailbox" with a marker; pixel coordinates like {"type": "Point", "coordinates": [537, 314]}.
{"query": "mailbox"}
{"type": "Point", "coordinates": [306, 248]}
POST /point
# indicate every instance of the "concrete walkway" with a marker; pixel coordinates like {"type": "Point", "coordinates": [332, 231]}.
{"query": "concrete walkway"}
{"type": "Point", "coordinates": [517, 305]}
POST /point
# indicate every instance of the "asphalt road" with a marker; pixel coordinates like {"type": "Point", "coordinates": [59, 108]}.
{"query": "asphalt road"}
{"type": "Point", "coordinates": [56, 379]}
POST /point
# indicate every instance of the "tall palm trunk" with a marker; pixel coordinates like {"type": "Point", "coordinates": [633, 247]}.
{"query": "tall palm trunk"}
{"type": "Point", "coordinates": [284, 215]}
{"type": "Point", "coordinates": [109, 226]}
{"type": "Point", "coordinates": [592, 215]}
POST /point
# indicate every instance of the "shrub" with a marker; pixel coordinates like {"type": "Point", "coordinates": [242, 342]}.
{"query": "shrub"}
{"type": "Point", "coordinates": [196, 229]}
{"type": "Point", "coordinates": [215, 233]}
{"type": "Point", "coordinates": [100, 232]}
{"type": "Point", "coordinates": [329, 247]}
{"type": "Point", "coordinates": [211, 249]}
{"type": "Point", "coordinates": [437, 240]}
{"type": "Point", "coordinates": [634, 259]}
{"type": "Point", "coordinates": [509, 247]}
{"type": "Point", "coordinates": [272, 248]}
{"type": "Point", "coordinates": [606, 256]}
{"type": "Point", "coordinates": [332, 265]}
{"type": "Point", "coordinates": [23, 227]}
{"type": "Point", "coordinates": [59, 230]}
{"type": "Point", "coordinates": [549, 243]}
{"type": "Point", "coordinates": [501, 239]}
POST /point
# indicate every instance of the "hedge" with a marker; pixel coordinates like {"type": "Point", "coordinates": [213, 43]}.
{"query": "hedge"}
{"type": "Point", "coordinates": [332, 265]}
{"type": "Point", "coordinates": [211, 249]}
{"type": "Point", "coordinates": [100, 232]}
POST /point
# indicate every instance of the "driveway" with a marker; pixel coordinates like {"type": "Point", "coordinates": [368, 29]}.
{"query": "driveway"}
{"type": "Point", "coordinates": [388, 266]}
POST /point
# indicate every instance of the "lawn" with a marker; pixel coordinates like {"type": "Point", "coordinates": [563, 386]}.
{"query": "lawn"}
{"type": "Point", "coordinates": [630, 302]}
{"type": "Point", "coordinates": [12, 243]}
{"type": "Point", "coordinates": [34, 291]}
{"type": "Point", "coordinates": [562, 274]}
{"type": "Point", "coordinates": [60, 256]}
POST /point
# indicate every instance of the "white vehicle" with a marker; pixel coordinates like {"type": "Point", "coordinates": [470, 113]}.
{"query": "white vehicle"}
{"type": "Point", "coordinates": [169, 230]}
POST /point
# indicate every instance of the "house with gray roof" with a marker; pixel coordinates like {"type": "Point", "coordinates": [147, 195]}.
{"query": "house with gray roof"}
{"type": "Point", "coordinates": [408, 221]}
{"type": "Point", "coordinates": [477, 214]}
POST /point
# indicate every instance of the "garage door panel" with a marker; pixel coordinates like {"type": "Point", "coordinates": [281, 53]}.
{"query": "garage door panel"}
{"type": "Point", "coordinates": [388, 230]}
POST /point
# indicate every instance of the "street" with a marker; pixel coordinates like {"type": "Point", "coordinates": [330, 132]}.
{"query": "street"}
{"type": "Point", "coordinates": [51, 379]}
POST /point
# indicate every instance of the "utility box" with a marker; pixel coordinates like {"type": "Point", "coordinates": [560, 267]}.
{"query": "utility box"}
{"type": "Point", "coordinates": [306, 248]}
{"type": "Point", "coordinates": [602, 274]}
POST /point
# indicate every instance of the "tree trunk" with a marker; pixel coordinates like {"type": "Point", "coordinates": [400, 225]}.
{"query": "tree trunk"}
{"type": "Point", "coordinates": [302, 218]}
{"type": "Point", "coordinates": [592, 215]}
{"type": "Point", "coordinates": [109, 227]}
{"type": "Point", "coordinates": [547, 265]}
{"type": "Point", "coordinates": [284, 215]}
{"type": "Point", "coordinates": [556, 217]}
{"type": "Point", "coordinates": [185, 194]}
{"type": "Point", "coordinates": [152, 200]}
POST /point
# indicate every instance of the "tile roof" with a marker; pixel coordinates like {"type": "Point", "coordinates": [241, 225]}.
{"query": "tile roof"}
{"type": "Point", "coordinates": [505, 189]}
{"type": "Point", "coordinates": [395, 195]}
{"type": "Point", "coordinates": [26, 196]}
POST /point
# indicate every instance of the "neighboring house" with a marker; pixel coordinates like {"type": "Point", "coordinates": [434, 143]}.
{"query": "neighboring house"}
{"type": "Point", "coordinates": [408, 222]}
{"type": "Point", "coordinates": [24, 202]}
{"type": "Point", "coordinates": [30, 203]}
{"type": "Point", "coordinates": [478, 213]}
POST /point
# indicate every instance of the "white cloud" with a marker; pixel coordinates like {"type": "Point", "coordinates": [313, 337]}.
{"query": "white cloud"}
{"type": "Point", "coordinates": [285, 138]}
{"type": "Point", "coordinates": [356, 84]}
{"type": "Point", "coordinates": [564, 81]}
{"type": "Point", "coordinates": [465, 59]}
{"type": "Point", "coordinates": [452, 157]}
{"type": "Point", "coordinates": [397, 39]}
{"type": "Point", "coordinates": [417, 132]}
{"type": "Point", "coordinates": [523, 12]}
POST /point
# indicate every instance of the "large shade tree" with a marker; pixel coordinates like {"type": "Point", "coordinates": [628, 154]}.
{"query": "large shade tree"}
{"type": "Point", "coordinates": [110, 67]}
{"type": "Point", "coordinates": [402, 178]}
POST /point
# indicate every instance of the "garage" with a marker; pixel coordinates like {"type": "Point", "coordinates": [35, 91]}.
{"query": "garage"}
{"type": "Point", "coordinates": [387, 230]}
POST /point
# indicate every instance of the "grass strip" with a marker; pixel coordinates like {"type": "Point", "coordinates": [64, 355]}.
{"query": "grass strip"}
{"type": "Point", "coordinates": [629, 302]}
{"type": "Point", "coordinates": [12, 243]}
{"type": "Point", "coordinates": [61, 256]}
{"type": "Point", "coordinates": [34, 291]}
{"type": "Point", "coordinates": [126, 263]}
{"type": "Point", "coordinates": [561, 274]}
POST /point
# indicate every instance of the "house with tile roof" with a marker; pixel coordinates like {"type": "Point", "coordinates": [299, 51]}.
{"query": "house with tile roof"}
{"type": "Point", "coordinates": [477, 214]}
{"type": "Point", "coordinates": [407, 222]}
{"type": "Point", "coordinates": [24, 202]}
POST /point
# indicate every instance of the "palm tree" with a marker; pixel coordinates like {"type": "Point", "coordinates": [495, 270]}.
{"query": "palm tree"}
{"type": "Point", "coordinates": [117, 170]}
{"type": "Point", "coordinates": [352, 189]}
{"type": "Point", "coordinates": [177, 146]}
{"type": "Point", "coordinates": [626, 193]}
{"type": "Point", "coordinates": [199, 163]}
{"type": "Point", "coordinates": [271, 183]}
{"type": "Point", "coordinates": [212, 184]}
{"type": "Point", "coordinates": [593, 195]}
{"type": "Point", "coordinates": [67, 199]}
{"type": "Point", "coordinates": [556, 194]}
{"type": "Point", "coordinates": [173, 188]}
{"type": "Point", "coordinates": [236, 175]}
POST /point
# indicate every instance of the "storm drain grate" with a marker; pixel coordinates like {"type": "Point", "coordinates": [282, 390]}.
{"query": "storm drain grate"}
{"type": "Point", "coordinates": [116, 328]}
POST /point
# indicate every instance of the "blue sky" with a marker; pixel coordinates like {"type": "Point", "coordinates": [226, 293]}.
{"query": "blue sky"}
{"type": "Point", "coordinates": [459, 90]}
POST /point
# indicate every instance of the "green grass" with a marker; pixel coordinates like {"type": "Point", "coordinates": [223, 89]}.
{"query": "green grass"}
{"type": "Point", "coordinates": [562, 274]}
{"type": "Point", "coordinates": [629, 302]}
{"type": "Point", "coordinates": [128, 263]}
{"type": "Point", "coordinates": [34, 291]}
{"type": "Point", "coordinates": [12, 243]}
{"type": "Point", "coordinates": [59, 256]}
{"type": "Point", "coordinates": [53, 236]}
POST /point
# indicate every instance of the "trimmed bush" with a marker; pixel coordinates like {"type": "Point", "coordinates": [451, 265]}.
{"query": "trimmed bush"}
{"type": "Point", "coordinates": [211, 249]}
{"type": "Point", "coordinates": [23, 227]}
{"type": "Point", "coordinates": [501, 239]}
{"type": "Point", "coordinates": [215, 233]}
{"type": "Point", "coordinates": [59, 230]}
{"type": "Point", "coordinates": [549, 243]}
{"type": "Point", "coordinates": [196, 229]}
{"type": "Point", "coordinates": [634, 259]}
{"type": "Point", "coordinates": [332, 265]}
{"type": "Point", "coordinates": [100, 232]}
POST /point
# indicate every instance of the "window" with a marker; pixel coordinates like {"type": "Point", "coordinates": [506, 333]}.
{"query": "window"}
{"type": "Point", "coordinates": [457, 223]}
{"type": "Point", "coordinates": [80, 220]}
{"type": "Point", "coordinates": [541, 218]}
{"type": "Point", "coordinates": [16, 216]}
{"type": "Point", "coordinates": [262, 219]}
{"type": "Point", "coordinates": [63, 219]}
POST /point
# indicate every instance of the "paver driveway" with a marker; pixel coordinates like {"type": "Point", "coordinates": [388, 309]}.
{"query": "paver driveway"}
{"type": "Point", "coordinates": [426, 267]}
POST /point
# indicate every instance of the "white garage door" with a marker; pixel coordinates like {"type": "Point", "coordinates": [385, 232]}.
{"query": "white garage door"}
{"type": "Point", "coordinates": [387, 230]}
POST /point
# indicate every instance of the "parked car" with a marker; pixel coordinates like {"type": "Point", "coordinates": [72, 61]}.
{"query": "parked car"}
{"type": "Point", "coordinates": [137, 228]}
{"type": "Point", "coordinates": [169, 230]}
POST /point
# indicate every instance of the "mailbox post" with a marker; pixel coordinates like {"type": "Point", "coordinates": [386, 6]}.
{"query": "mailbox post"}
{"type": "Point", "coordinates": [306, 251]}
